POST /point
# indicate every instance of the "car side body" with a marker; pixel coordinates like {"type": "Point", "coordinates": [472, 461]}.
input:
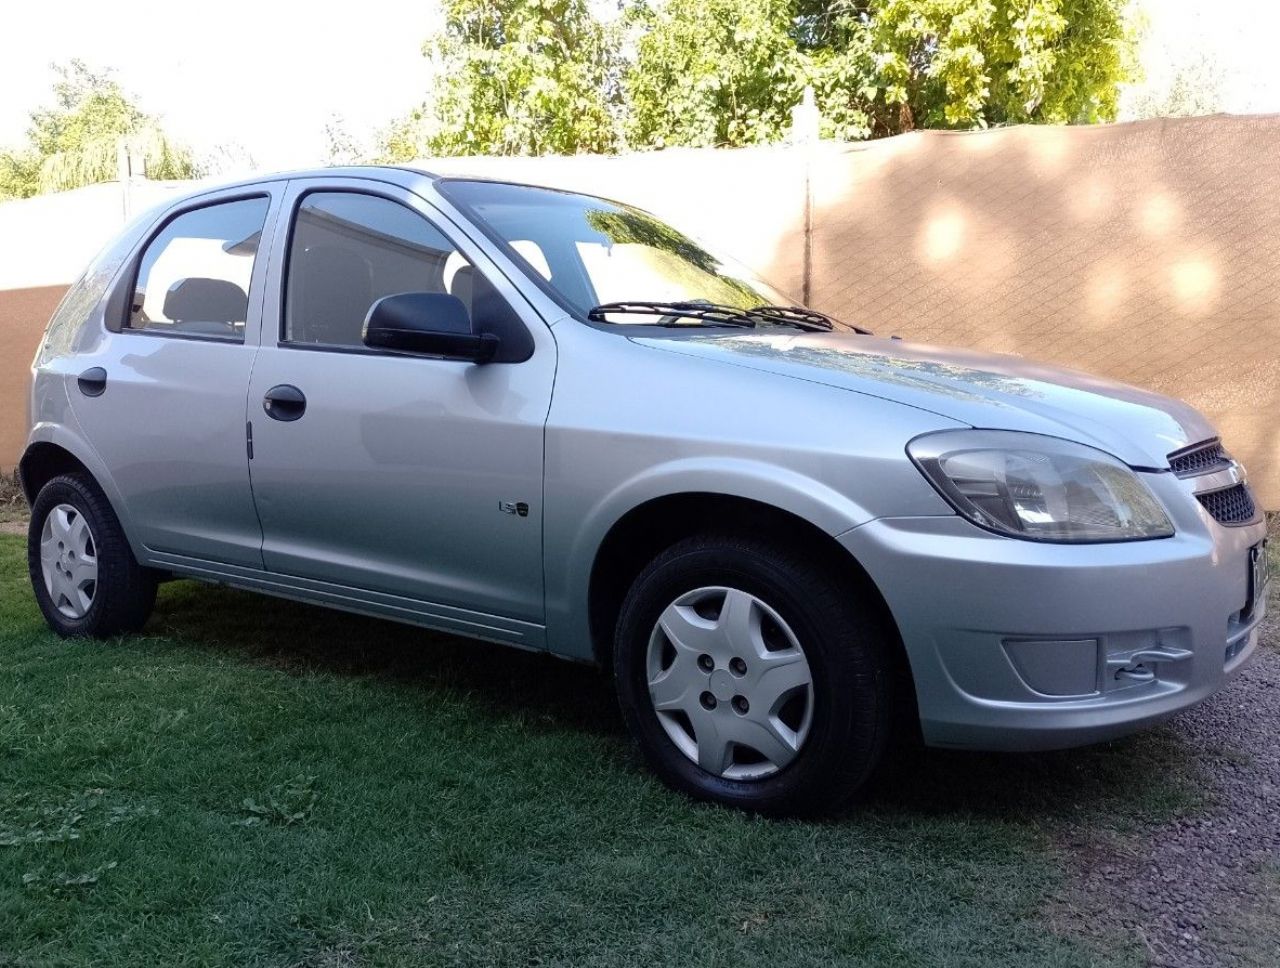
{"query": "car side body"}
{"type": "Point", "coordinates": [518, 500]}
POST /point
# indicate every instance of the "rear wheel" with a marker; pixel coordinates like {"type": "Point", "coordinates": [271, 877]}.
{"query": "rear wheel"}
{"type": "Point", "coordinates": [85, 578]}
{"type": "Point", "coordinates": [752, 676]}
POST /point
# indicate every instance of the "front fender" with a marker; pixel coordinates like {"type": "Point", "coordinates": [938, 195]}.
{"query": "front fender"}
{"type": "Point", "coordinates": [571, 549]}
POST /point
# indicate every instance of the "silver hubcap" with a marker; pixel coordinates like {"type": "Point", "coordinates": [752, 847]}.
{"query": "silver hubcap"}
{"type": "Point", "coordinates": [69, 561]}
{"type": "Point", "coordinates": [730, 683]}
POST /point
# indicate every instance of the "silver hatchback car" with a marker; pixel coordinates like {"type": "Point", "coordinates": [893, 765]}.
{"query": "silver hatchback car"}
{"type": "Point", "coordinates": [553, 421]}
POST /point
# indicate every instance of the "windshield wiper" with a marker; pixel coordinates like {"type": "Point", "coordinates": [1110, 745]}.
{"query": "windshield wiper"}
{"type": "Point", "coordinates": [705, 314]}
{"type": "Point", "coordinates": [717, 314]}
{"type": "Point", "coordinates": [803, 318]}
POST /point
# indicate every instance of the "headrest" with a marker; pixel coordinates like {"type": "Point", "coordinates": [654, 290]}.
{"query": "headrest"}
{"type": "Point", "coordinates": [332, 288]}
{"type": "Point", "coordinates": [463, 284]}
{"type": "Point", "coordinates": [206, 300]}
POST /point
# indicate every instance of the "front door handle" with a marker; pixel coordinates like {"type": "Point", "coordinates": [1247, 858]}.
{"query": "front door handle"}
{"type": "Point", "coordinates": [284, 402]}
{"type": "Point", "coordinates": [92, 382]}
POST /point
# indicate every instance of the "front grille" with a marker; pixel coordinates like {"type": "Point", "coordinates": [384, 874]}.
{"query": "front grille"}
{"type": "Point", "coordinates": [1199, 459]}
{"type": "Point", "coordinates": [1231, 505]}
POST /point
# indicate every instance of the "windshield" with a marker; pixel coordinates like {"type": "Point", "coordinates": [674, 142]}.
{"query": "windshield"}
{"type": "Point", "coordinates": [591, 252]}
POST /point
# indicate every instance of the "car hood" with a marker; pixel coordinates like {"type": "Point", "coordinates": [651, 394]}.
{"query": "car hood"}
{"type": "Point", "coordinates": [981, 389]}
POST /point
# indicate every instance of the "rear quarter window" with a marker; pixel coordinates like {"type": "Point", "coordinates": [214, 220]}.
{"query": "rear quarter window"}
{"type": "Point", "coordinates": [79, 304]}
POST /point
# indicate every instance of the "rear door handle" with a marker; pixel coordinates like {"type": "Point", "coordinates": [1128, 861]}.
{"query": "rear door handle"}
{"type": "Point", "coordinates": [92, 382]}
{"type": "Point", "coordinates": [284, 402]}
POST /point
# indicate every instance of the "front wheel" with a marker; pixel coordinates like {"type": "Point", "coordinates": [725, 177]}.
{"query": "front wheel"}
{"type": "Point", "coordinates": [85, 578]}
{"type": "Point", "coordinates": [752, 676]}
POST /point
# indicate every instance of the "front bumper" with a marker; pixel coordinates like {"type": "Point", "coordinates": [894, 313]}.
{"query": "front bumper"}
{"type": "Point", "coordinates": [1019, 645]}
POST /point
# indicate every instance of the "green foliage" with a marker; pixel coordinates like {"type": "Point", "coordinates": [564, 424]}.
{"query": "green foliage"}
{"type": "Point", "coordinates": [1057, 61]}
{"type": "Point", "coordinates": [709, 72]}
{"type": "Point", "coordinates": [88, 105]}
{"type": "Point", "coordinates": [519, 77]}
{"type": "Point", "coordinates": [728, 71]}
{"type": "Point", "coordinates": [77, 142]}
{"type": "Point", "coordinates": [543, 76]}
{"type": "Point", "coordinates": [19, 173]}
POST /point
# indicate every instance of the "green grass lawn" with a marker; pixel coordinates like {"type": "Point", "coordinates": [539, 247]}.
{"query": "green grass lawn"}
{"type": "Point", "coordinates": [258, 782]}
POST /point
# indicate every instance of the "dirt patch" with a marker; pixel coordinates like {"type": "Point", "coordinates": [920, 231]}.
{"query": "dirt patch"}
{"type": "Point", "coordinates": [1201, 890]}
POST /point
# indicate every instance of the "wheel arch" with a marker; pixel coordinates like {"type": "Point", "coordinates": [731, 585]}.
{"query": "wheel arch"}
{"type": "Point", "coordinates": [41, 462]}
{"type": "Point", "coordinates": [53, 450]}
{"type": "Point", "coordinates": [647, 529]}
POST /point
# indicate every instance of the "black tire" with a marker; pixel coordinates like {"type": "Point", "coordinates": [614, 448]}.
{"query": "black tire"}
{"type": "Point", "coordinates": [124, 593]}
{"type": "Point", "coordinates": [841, 633]}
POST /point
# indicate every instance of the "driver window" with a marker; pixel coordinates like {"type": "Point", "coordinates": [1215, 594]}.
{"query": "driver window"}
{"type": "Point", "coordinates": [348, 251]}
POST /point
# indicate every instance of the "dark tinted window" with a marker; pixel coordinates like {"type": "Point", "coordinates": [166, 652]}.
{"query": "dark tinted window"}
{"type": "Point", "coordinates": [194, 275]}
{"type": "Point", "coordinates": [350, 250]}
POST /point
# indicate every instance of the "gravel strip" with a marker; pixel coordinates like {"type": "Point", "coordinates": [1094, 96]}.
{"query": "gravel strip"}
{"type": "Point", "coordinates": [1202, 890]}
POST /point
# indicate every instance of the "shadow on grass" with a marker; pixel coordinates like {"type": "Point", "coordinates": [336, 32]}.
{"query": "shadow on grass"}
{"type": "Point", "coordinates": [1150, 776]}
{"type": "Point", "coordinates": [310, 639]}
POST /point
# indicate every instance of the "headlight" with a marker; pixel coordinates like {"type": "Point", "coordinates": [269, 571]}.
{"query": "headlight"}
{"type": "Point", "coordinates": [1039, 488]}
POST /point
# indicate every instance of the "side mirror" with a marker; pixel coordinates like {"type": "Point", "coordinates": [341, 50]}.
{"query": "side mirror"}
{"type": "Point", "coordinates": [426, 324]}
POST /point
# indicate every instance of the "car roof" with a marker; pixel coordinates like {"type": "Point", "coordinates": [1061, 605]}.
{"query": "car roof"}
{"type": "Point", "coordinates": [404, 175]}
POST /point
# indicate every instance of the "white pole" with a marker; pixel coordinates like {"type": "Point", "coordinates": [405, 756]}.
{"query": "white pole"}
{"type": "Point", "coordinates": [124, 174]}
{"type": "Point", "coordinates": [806, 121]}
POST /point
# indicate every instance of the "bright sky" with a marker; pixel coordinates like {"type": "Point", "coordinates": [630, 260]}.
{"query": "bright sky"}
{"type": "Point", "coordinates": [264, 74]}
{"type": "Point", "coordinates": [1238, 35]}
{"type": "Point", "coordinates": [267, 75]}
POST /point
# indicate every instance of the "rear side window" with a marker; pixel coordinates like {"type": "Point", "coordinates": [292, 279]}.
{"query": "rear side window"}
{"type": "Point", "coordinates": [193, 278]}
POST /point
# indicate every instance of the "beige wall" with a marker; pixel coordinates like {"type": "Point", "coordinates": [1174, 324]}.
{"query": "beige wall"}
{"type": "Point", "coordinates": [23, 313]}
{"type": "Point", "coordinates": [1147, 252]}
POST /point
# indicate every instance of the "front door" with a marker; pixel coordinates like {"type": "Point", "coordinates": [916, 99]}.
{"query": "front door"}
{"type": "Point", "coordinates": [416, 479]}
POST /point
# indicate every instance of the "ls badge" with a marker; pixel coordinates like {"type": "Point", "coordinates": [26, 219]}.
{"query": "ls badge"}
{"type": "Point", "coordinates": [514, 507]}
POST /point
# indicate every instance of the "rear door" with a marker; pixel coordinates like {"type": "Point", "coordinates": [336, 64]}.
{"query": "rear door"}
{"type": "Point", "coordinates": [405, 476]}
{"type": "Point", "coordinates": [162, 395]}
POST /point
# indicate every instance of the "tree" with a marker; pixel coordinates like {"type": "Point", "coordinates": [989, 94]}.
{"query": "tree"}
{"type": "Point", "coordinates": [973, 63]}
{"type": "Point", "coordinates": [878, 67]}
{"type": "Point", "coordinates": [539, 76]}
{"type": "Point", "coordinates": [19, 173]}
{"type": "Point", "coordinates": [226, 158]}
{"type": "Point", "coordinates": [77, 142]}
{"type": "Point", "coordinates": [709, 72]}
{"type": "Point", "coordinates": [341, 146]}
{"type": "Point", "coordinates": [1195, 87]}
{"type": "Point", "coordinates": [516, 77]}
